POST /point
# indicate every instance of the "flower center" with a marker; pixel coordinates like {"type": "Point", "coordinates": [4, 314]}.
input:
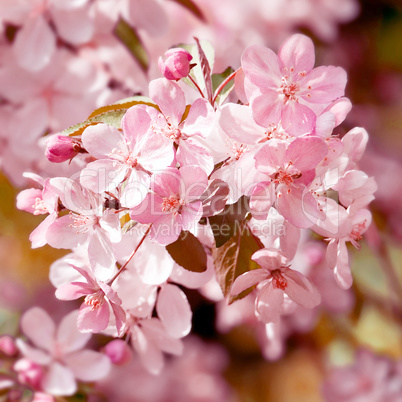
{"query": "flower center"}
{"type": "Point", "coordinates": [238, 151]}
{"type": "Point", "coordinates": [172, 204]}
{"type": "Point", "coordinates": [164, 127]}
{"type": "Point", "coordinates": [39, 207]}
{"type": "Point", "coordinates": [278, 280]}
{"type": "Point", "coordinates": [82, 222]}
{"type": "Point", "coordinates": [289, 89]}
{"type": "Point", "coordinates": [275, 131]}
{"type": "Point", "coordinates": [357, 233]}
{"type": "Point", "coordinates": [95, 300]}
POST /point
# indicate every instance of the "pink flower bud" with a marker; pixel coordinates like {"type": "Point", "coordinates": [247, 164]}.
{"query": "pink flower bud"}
{"type": "Point", "coordinates": [176, 64]}
{"type": "Point", "coordinates": [8, 346]}
{"type": "Point", "coordinates": [29, 373]}
{"type": "Point", "coordinates": [118, 352]}
{"type": "Point", "coordinates": [60, 148]}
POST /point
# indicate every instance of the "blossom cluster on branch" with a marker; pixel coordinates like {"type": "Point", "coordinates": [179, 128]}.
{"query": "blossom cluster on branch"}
{"type": "Point", "coordinates": [237, 179]}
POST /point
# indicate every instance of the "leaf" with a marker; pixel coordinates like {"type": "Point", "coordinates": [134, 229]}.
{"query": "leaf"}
{"type": "Point", "coordinates": [112, 118]}
{"type": "Point", "coordinates": [192, 7]}
{"type": "Point", "coordinates": [130, 39]}
{"type": "Point", "coordinates": [217, 79]}
{"type": "Point", "coordinates": [125, 104]}
{"type": "Point", "coordinates": [214, 197]}
{"type": "Point", "coordinates": [206, 69]}
{"type": "Point", "coordinates": [234, 258]}
{"type": "Point", "coordinates": [226, 224]}
{"type": "Point", "coordinates": [188, 252]}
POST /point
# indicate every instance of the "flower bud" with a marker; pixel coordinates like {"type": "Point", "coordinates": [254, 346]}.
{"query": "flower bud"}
{"type": "Point", "coordinates": [8, 346]}
{"type": "Point", "coordinates": [60, 148]}
{"type": "Point", "coordinates": [176, 64]}
{"type": "Point", "coordinates": [118, 352]}
{"type": "Point", "coordinates": [29, 373]}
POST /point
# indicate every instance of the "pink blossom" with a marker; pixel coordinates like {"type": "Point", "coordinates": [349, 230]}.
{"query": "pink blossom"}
{"type": "Point", "coordinates": [58, 351]}
{"type": "Point", "coordinates": [100, 300]}
{"type": "Point", "coordinates": [61, 148]}
{"type": "Point", "coordinates": [174, 203]}
{"type": "Point", "coordinates": [275, 279]}
{"type": "Point", "coordinates": [118, 352]}
{"type": "Point", "coordinates": [169, 126]}
{"type": "Point", "coordinates": [132, 156]}
{"type": "Point", "coordinates": [290, 169]}
{"type": "Point", "coordinates": [286, 88]}
{"type": "Point", "coordinates": [176, 65]}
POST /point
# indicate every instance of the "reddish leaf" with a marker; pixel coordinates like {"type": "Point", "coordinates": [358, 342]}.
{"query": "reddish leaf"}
{"type": "Point", "coordinates": [130, 39]}
{"type": "Point", "coordinates": [214, 197]}
{"type": "Point", "coordinates": [206, 70]}
{"type": "Point", "coordinates": [192, 7]}
{"type": "Point", "coordinates": [188, 252]}
{"type": "Point", "coordinates": [234, 258]}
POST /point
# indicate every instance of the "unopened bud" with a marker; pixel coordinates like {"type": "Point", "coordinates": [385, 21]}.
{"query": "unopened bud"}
{"type": "Point", "coordinates": [29, 373]}
{"type": "Point", "coordinates": [61, 148]}
{"type": "Point", "coordinates": [118, 352]}
{"type": "Point", "coordinates": [8, 346]}
{"type": "Point", "coordinates": [176, 64]}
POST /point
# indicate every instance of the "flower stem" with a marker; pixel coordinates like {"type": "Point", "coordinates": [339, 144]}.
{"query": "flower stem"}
{"type": "Point", "coordinates": [223, 84]}
{"type": "Point", "coordinates": [196, 85]}
{"type": "Point", "coordinates": [131, 256]}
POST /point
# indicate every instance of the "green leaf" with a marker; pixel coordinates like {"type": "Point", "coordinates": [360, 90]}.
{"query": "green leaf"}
{"type": "Point", "coordinates": [217, 79]}
{"type": "Point", "coordinates": [188, 252]}
{"type": "Point", "coordinates": [130, 39]}
{"type": "Point", "coordinates": [125, 104]}
{"type": "Point", "coordinates": [227, 223]}
{"type": "Point", "coordinates": [234, 258]}
{"type": "Point", "coordinates": [192, 7]}
{"type": "Point", "coordinates": [112, 118]}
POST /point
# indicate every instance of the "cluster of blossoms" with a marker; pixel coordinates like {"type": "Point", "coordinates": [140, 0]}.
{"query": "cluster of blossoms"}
{"type": "Point", "coordinates": [212, 179]}
{"type": "Point", "coordinates": [70, 57]}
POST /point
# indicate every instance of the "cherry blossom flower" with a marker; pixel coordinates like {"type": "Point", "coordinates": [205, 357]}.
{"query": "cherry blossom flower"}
{"type": "Point", "coordinates": [176, 65]}
{"type": "Point", "coordinates": [286, 88]}
{"type": "Point", "coordinates": [100, 300]}
{"type": "Point", "coordinates": [58, 351]}
{"type": "Point", "coordinates": [132, 156]}
{"type": "Point", "coordinates": [291, 169]}
{"type": "Point", "coordinates": [174, 203]}
{"type": "Point", "coordinates": [275, 279]}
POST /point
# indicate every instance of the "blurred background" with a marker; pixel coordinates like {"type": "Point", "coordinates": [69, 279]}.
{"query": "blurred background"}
{"type": "Point", "coordinates": [364, 37]}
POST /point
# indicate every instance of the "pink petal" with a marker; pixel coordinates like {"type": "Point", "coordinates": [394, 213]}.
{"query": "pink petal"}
{"type": "Point", "coordinates": [297, 52]}
{"type": "Point", "coordinates": [26, 199]}
{"type": "Point", "coordinates": [324, 84]}
{"type": "Point", "coordinates": [355, 142]}
{"type": "Point", "coordinates": [136, 188]}
{"type": "Point", "coordinates": [38, 235]}
{"type": "Point", "coordinates": [269, 303]}
{"type": "Point", "coordinates": [261, 66]}
{"type": "Point", "coordinates": [101, 255]}
{"type": "Point", "coordinates": [75, 26]}
{"type": "Point", "coordinates": [300, 289]}
{"type": "Point", "coordinates": [298, 119]}
{"type": "Point", "coordinates": [110, 223]}
{"type": "Point", "coordinates": [37, 325]}
{"type": "Point", "coordinates": [99, 140]}
{"type": "Point", "coordinates": [61, 235]}
{"type": "Point", "coordinates": [135, 124]}
{"type": "Point", "coordinates": [342, 272]}
{"type": "Point", "coordinates": [34, 44]}
{"type": "Point", "coordinates": [270, 157]}
{"type": "Point", "coordinates": [69, 338]}
{"type": "Point", "coordinates": [340, 108]}
{"type": "Point", "coordinates": [103, 175]}
{"type": "Point", "coordinates": [261, 200]}
{"type": "Point", "coordinates": [174, 311]}
{"type": "Point", "coordinates": [200, 119]}
{"type": "Point", "coordinates": [298, 206]}
{"type": "Point", "coordinates": [74, 290]}
{"type": "Point", "coordinates": [95, 320]}
{"type": "Point", "coordinates": [36, 355]}
{"type": "Point", "coordinates": [170, 99]}
{"type": "Point", "coordinates": [267, 108]}
{"type": "Point", "coordinates": [237, 122]}
{"type": "Point", "coordinates": [151, 356]}
{"type": "Point", "coordinates": [248, 279]}
{"type": "Point", "coordinates": [59, 380]}
{"type": "Point", "coordinates": [88, 365]}
{"type": "Point", "coordinates": [269, 259]}
{"type": "Point", "coordinates": [307, 152]}
{"type": "Point", "coordinates": [167, 183]}
{"type": "Point", "coordinates": [191, 154]}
